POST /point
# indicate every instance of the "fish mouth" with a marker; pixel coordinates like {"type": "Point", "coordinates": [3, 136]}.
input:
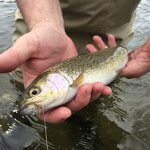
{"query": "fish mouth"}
{"type": "Point", "coordinates": [30, 109]}
{"type": "Point", "coordinates": [30, 106]}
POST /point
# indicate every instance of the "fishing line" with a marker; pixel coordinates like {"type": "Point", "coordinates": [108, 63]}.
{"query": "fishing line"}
{"type": "Point", "coordinates": [45, 130]}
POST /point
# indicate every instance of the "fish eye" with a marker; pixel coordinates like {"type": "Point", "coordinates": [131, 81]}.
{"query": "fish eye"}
{"type": "Point", "coordinates": [34, 91]}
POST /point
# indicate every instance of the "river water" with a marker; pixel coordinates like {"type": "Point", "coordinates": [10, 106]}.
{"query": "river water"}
{"type": "Point", "coordinates": [118, 122]}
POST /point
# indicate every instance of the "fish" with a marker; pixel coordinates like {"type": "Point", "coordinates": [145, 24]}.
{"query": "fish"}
{"type": "Point", "coordinates": [58, 85]}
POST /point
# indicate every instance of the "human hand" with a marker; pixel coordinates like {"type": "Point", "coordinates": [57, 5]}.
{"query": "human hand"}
{"type": "Point", "coordinates": [139, 62]}
{"type": "Point", "coordinates": [37, 50]}
{"type": "Point", "coordinates": [139, 59]}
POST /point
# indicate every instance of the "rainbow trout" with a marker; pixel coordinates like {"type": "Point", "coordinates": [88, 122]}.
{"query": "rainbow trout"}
{"type": "Point", "coordinates": [59, 84]}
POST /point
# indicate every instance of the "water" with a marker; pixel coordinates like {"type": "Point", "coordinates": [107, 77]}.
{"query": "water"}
{"type": "Point", "coordinates": [118, 122]}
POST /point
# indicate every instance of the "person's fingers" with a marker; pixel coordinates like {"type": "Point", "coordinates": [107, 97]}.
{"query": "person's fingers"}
{"type": "Point", "coordinates": [111, 40]}
{"type": "Point", "coordinates": [100, 89]}
{"type": "Point", "coordinates": [82, 98]}
{"type": "Point", "coordinates": [106, 91]}
{"type": "Point", "coordinates": [96, 90]}
{"type": "Point", "coordinates": [145, 47]}
{"type": "Point", "coordinates": [133, 69]}
{"type": "Point", "coordinates": [99, 42]}
{"type": "Point", "coordinates": [17, 54]}
{"type": "Point", "coordinates": [57, 115]}
{"type": "Point", "coordinates": [138, 62]}
{"type": "Point", "coordinates": [91, 48]}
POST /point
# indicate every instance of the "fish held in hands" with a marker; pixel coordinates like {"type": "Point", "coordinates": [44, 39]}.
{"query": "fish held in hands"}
{"type": "Point", "coordinates": [59, 84]}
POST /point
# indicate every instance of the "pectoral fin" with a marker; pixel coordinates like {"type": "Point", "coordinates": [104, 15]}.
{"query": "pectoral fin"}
{"type": "Point", "coordinates": [79, 80]}
{"type": "Point", "coordinates": [72, 90]}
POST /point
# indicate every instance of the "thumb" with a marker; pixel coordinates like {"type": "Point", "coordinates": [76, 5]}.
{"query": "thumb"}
{"type": "Point", "coordinates": [21, 51]}
{"type": "Point", "coordinates": [133, 70]}
{"type": "Point", "coordinates": [129, 71]}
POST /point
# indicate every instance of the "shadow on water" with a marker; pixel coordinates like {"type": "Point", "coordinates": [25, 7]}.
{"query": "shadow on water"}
{"type": "Point", "coordinates": [118, 122]}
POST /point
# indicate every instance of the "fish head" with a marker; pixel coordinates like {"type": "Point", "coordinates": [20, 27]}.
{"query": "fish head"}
{"type": "Point", "coordinates": [44, 94]}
